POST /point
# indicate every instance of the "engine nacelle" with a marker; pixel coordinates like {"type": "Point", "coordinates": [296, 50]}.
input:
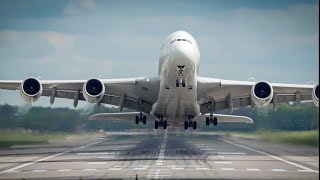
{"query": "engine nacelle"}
{"type": "Point", "coordinates": [93, 90]}
{"type": "Point", "coordinates": [30, 89]}
{"type": "Point", "coordinates": [262, 93]}
{"type": "Point", "coordinates": [315, 95]}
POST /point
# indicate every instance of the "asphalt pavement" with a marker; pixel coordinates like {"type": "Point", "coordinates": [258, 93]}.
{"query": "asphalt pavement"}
{"type": "Point", "coordinates": [161, 155]}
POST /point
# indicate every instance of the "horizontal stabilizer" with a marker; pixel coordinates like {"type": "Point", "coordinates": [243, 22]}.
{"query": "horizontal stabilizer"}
{"type": "Point", "coordinates": [119, 116]}
{"type": "Point", "coordinates": [222, 118]}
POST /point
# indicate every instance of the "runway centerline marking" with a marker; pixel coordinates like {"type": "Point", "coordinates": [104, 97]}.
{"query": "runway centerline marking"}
{"type": "Point", "coordinates": [89, 169]}
{"type": "Point", "coordinates": [202, 168]}
{"type": "Point", "coordinates": [253, 169]}
{"type": "Point", "coordinates": [98, 153]}
{"type": "Point", "coordinates": [272, 156]}
{"type": "Point", "coordinates": [223, 162]}
{"type": "Point", "coordinates": [279, 170]}
{"type": "Point", "coordinates": [40, 170]}
{"type": "Point", "coordinates": [64, 170]}
{"type": "Point", "coordinates": [141, 168]}
{"type": "Point", "coordinates": [232, 153]}
{"type": "Point", "coordinates": [96, 163]}
{"type": "Point", "coordinates": [52, 156]}
{"type": "Point", "coordinates": [228, 169]}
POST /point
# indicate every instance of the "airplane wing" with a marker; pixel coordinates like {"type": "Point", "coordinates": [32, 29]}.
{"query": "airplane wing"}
{"type": "Point", "coordinates": [218, 94]}
{"type": "Point", "coordinates": [119, 116]}
{"type": "Point", "coordinates": [133, 93]}
{"type": "Point", "coordinates": [223, 118]}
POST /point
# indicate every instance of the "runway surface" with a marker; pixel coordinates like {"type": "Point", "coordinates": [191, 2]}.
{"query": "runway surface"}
{"type": "Point", "coordinates": [161, 156]}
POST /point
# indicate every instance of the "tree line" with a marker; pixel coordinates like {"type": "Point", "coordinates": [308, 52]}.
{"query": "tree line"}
{"type": "Point", "coordinates": [47, 119]}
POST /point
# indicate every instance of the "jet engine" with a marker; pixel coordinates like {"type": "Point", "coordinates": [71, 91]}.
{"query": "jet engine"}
{"type": "Point", "coordinates": [30, 89]}
{"type": "Point", "coordinates": [262, 93]}
{"type": "Point", "coordinates": [315, 95]}
{"type": "Point", "coordinates": [93, 90]}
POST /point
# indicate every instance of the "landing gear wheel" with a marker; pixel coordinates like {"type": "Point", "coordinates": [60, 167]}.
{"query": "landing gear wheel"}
{"type": "Point", "coordinates": [156, 124]}
{"type": "Point", "coordinates": [207, 121]}
{"type": "Point", "coordinates": [186, 125]}
{"type": "Point", "coordinates": [183, 83]}
{"type": "Point", "coordinates": [144, 119]}
{"type": "Point", "coordinates": [194, 125]}
{"type": "Point", "coordinates": [177, 83]}
{"type": "Point", "coordinates": [215, 121]}
{"type": "Point", "coordinates": [165, 123]}
{"type": "Point", "coordinates": [137, 120]}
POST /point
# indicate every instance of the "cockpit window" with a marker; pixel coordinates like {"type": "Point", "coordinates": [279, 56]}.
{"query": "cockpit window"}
{"type": "Point", "coordinates": [181, 40]}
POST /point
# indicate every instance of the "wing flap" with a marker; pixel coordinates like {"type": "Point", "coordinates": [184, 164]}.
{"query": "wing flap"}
{"type": "Point", "coordinates": [223, 118]}
{"type": "Point", "coordinates": [130, 116]}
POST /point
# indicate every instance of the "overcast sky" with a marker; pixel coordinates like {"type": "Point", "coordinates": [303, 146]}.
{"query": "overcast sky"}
{"type": "Point", "coordinates": [277, 41]}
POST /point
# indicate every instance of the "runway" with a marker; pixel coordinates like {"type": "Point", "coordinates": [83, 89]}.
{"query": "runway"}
{"type": "Point", "coordinates": [161, 156]}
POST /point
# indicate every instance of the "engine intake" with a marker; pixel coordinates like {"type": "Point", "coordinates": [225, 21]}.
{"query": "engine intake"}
{"type": "Point", "coordinates": [315, 95]}
{"type": "Point", "coordinates": [93, 90]}
{"type": "Point", "coordinates": [262, 93]}
{"type": "Point", "coordinates": [30, 89]}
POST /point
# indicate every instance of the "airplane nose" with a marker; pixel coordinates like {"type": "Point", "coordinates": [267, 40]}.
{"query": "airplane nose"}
{"type": "Point", "coordinates": [183, 53]}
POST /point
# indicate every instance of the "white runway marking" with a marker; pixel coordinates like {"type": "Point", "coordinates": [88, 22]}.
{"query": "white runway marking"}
{"type": "Point", "coordinates": [202, 168]}
{"type": "Point", "coordinates": [206, 149]}
{"type": "Point", "coordinates": [98, 153]}
{"type": "Point", "coordinates": [40, 170]}
{"type": "Point", "coordinates": [216, 157]}
{"type": "Point", "coordinates": [252, 169]}
{"type": "Point", "coordinates": [96, 163]}
{"type": "Point", "coordinates": [280, 170]}
{"type": "Point", "coordinates": [55, 155]}
{"type": "Point", "coordinates": [302, 170]}
{"type": "Point", "coordinates": [231, 153]}
{"type": "Point", "coordinates": [64, 170]}
{"type": "Point", "coordinates": [272, 156]}
{"type": "Point", "coordinates": [159, 164]}
{"type": "Point", "coordinates": [142, 168]}
{"type": "Point", "coordinates": [89, 169]}
{"type": "Point", "coordinates": [177, 168]}
{"type": "Point", "coordinates": [228, 169]}
{"type": "Point", "coordinates": [223, 162]}
{"type": "Point", "coordinates": [106, 157]}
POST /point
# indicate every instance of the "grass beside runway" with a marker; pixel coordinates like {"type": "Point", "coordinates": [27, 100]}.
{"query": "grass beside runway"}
{"type": "Point", "coordinates": [310, 138]}
{"type": "Point", "coordinates": [8, 139]}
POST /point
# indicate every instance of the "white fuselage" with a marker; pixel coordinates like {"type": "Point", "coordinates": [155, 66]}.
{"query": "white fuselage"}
{"type": "Point", "coordinates": [178, 103]}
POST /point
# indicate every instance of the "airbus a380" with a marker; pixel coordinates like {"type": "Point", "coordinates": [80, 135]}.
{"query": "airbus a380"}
{"type": "Point", "coordinates": [177, 96]}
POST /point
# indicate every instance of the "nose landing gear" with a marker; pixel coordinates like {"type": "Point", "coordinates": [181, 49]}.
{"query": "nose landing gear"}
{"type": "Point", "coordinates": [180, 80]}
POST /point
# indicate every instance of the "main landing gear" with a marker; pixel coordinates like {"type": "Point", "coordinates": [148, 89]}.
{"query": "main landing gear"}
{"type": "Point", "coordinates": [180, 80]}
{"type": "Point", "coordinates": [141, 118]}
{"type": "Point", "coordinates": [160, 123]}
{"type": "Point", "coordinates": [190, 123]}
{"type": "Point", "coordinates": [211, 120]}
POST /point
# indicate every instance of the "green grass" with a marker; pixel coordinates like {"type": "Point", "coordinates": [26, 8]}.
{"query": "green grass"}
{"type": "Point", "coordinates": [10, 139]}
{"type": "Point", "coordinates": [310, 138]}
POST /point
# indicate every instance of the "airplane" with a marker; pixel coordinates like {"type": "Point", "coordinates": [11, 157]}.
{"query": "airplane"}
{"type": "Point", "coordinates": [176, 97]}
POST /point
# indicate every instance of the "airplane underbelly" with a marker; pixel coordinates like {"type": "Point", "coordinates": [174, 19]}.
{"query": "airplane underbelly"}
{"type": "Point", "coordinates": [176, 103]}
